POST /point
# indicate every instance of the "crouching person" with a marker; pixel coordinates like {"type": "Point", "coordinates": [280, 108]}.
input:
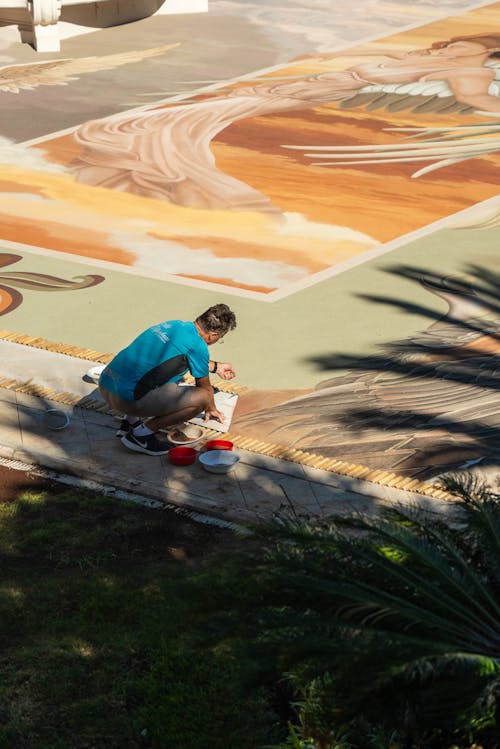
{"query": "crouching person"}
{"type": "Point", "coordinates": [142, 381]}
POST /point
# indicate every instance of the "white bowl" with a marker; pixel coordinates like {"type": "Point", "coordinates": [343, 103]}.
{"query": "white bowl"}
{"type": "Point", "coordinates": [95, 372]}
{"type": "Point", "coordinates": [219, 461]}
{"type": "Point", "coordinates": [56, 419]}
{"type": "Point", "coordinates": [185, 434]}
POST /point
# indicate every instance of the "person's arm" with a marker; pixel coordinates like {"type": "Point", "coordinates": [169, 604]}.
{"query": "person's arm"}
{"type": "Point", "coordinates": [470, 87]}
{"type": "Point", "coordinates": [211, 412]}
{"type": "Point", "coordinates": [222, 369]}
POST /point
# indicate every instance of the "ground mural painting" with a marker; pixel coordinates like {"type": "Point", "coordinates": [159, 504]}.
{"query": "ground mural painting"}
{"type": "Point", "coordinates": [12, 281]}
{"type": "Point", "coordinates": [258, 187]}
{"type": "Point", "coordinates": [232, 187]}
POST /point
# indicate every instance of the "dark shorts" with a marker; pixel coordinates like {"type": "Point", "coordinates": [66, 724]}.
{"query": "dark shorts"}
{"type": "Point", "coordinates": [161, 401]}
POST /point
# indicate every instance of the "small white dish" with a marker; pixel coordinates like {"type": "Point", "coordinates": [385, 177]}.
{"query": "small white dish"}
{"type": "Point", "coordinates": [219, 461]}
{"type": "Point", "coordinates": [95, 372]}
{"type": "Point", "coordinates": [56, 419]}
{"type": "Point", "coordinates": [185, 434]}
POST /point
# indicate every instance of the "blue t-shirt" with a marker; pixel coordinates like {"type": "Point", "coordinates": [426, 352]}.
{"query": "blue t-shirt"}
{"type": "Point", "coordinates": [162, 353]}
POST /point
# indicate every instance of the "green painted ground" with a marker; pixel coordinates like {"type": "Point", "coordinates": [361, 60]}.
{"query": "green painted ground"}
{"type": "Point", "coordinates": [277, 344]}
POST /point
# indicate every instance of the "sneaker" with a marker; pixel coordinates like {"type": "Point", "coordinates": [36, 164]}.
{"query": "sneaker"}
{"type": "Point", "coordinates": [125, 427]}
{"type": "Point", "coordinates": [149, 444]}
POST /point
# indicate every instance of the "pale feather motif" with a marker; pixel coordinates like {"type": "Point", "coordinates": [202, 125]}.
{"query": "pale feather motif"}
{"type": "Point", "coordinates": [27, 76]}
{"type": "Point", "coordinates": [417, 96]}
{"type": "Point", "coordinates": [443, 146]}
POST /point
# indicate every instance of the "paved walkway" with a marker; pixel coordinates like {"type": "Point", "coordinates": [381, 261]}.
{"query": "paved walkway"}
{"type": "Point", "coordinates": [257, 489]}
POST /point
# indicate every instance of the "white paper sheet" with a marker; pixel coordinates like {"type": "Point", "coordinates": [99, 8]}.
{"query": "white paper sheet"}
{"type": "Point", "coordinates": [225, 402]}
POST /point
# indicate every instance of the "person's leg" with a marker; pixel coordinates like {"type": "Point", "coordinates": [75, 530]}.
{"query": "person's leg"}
{"type": "Point", "coordinates": [165, 406]}
{"type": "Point", "coordinates": [191, 404]}
{"type": "Point", "coordinates": [170, 404]}
{"type": "Point", "coordinates": [132, 432]}
{"type": "Point", "coordinates": [175, 403]}
{"type": "Point", "coordinates": [129, 421]}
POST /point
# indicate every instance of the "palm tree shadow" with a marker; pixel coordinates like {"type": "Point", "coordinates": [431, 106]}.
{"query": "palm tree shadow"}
{"type": "Point", "coordinates": [420, 406]}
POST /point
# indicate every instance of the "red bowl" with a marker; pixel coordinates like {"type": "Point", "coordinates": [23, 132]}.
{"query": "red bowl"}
{"type": "Point", "coordinates": [182, 456]}
{"type": "Point", "coordinates": [219, 445]}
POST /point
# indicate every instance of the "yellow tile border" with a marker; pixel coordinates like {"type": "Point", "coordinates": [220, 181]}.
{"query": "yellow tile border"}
{"type": "Point", "coordinates": [293, 455]}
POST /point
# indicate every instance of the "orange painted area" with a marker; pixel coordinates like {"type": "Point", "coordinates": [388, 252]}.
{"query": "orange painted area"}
{"type": "Point", "coordinates": [62, 238]}
{"type": "Point", "coordinates": [223, 247]}
{"type": "Point", "coordinates": [60, 150]}
{"type": "Point", "coordinates": [380, 199]}
{"type": "Point", "coordinates": [6, 299]}
{"type": "Point", "coordinates": [11, 186]}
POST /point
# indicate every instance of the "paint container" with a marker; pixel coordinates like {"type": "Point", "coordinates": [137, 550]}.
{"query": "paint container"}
{"type": "Point", "coordinates": [182, 456]}
{"type": "Point", "coordinates": [219, 445]}
{"type": "Point", "coordinates": [56, 419]}
{"type": "Point", "coordinates": [219, 461]}
{"type": "Point", "coordinates": [185, 434]}
{"type": "Point", "coordinates": [95, 372]}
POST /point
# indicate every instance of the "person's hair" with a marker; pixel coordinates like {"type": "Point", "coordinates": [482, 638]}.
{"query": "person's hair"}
{"type": "Point", "coordinates": [487, 40]}
{"type": "Point", "coordinates": [217, 319]}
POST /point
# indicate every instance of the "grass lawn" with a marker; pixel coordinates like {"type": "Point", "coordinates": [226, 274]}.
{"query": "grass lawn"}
{"type": "Point", "coordinates": [109, 630]}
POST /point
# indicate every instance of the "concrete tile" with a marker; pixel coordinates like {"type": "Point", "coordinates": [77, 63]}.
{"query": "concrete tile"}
{"type": "Point", "coordinates": [68, 448]}
{"type": "Point", "coordinates": [137, 467]}
{"type": "Point", "coordinates": [267, 491]}
{"type": "Point", "coordinates": [346, 503]}
{"type": "Point", "coordinates": [223, 489]}
{"type": "Point", "coordinates": [7, 396]}
{"type": "Point", "coordinates": [105, 447]}
{"type": "Point", "coordinates": [333, 502]}
{"type": "Point", "coordinates": [300, 496]}
{"type": "Point", "coordinates": [36, 438]}
{"type": "Point", "coordinates": [99, 421]}
{"type": "Point", "coordinates": [7, 452]}
{"type": "Point", "coordinates": [287, 467]}
{"type": "Point", "coordinates": [210, 506]}
{"type": "Point", "coordinates": [10, 434]}
{"type": "Point", "coordinates": [34, 402]}
{"type": "Point", "coordinates": [328, 478]}
{"type": "Point", "coordinates": [8, 411]}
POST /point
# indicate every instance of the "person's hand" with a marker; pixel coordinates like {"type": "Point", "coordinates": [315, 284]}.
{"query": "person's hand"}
{"type": "Point", "coordinates": [214, 413]}
{"type": "Point", "coordinates": [225, 370]}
